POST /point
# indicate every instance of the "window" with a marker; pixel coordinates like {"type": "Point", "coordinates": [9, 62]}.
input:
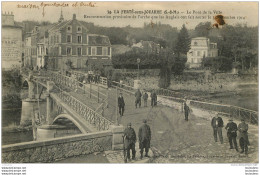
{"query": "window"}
{"type": "Point", "coordinates": [79, 50]}
{"type": "Point", "coordinates": [99, 50]}
{"type": "Point", "coordinates": [79, 39]}
{"type": "Point", "coordinates": [69, 28]}
{"type": "Point", "coordinates": [89, 50]}
{"type": "Point", "coordinates": [79, 29]}
{"type": "Point", "coordinates": [93, 51]}
{"type": "Point", "coordinates": [108, 49]}
{"type": "Point", "coordinates": [68, 38]}
{"type": "Point", "coordinates": [68, 50]}
{"type": "Point", "coordinates": [104, 50]}
{"type": "Point", "coordinates": [195, 43]}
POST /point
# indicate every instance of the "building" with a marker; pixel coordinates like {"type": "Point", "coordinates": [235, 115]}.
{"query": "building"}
{"type": "Point", "coordinates": [71, 41]}
{"type": "Point", "coordinates": [11, 42]}
{"type": "Point", "coordinates": [55, 45]}
{"type": "Point", "coordinates": [36, 47]}
{"type": "Point", "coordinates": [201, 47]}
{"type": "Point", "coordinates": [147, 46]}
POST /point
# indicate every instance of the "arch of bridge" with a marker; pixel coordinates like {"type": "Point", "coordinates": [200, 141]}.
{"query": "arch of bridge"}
{"type": "Point", "coordinates": [75, 122]}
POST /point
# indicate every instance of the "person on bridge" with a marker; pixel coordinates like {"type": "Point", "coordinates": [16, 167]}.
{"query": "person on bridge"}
{"type": "Point", "coordinates": [144, 135]}
{"type": "Point", "coordinates": [138, 96]}
{"type": "Point", "coordinates": [217, 125]}
{"type": "Point", "coordinates": [121, 104]}
{"type": "Point", "coordinates": [232, 134]}
{"type": "Point", "coordinates": [153, 98]}
{"type": "Point", "coordinates": [243, 136]}
{"type": "Point", "coordinates": [145, 97]}
{"type": "Point", "coordinates": [130, 139]}
{"type": "Point", "coordinates": [186, 111]}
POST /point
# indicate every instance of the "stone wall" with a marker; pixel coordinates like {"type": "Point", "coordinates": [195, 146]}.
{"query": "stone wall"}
{"type": "Point", "coordinates": [57, 149]}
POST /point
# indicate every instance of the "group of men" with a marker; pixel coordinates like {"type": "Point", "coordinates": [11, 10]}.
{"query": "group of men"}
{"type": "Point", "coordinates": [138, 96]}
{"type": "Point", "coordinates": [232, 128]}
{"type": "Point", "coordinates": [144, 135]}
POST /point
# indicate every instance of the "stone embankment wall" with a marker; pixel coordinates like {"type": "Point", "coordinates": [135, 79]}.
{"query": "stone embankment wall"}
{"type": "Point", "coordinates": [57, 149]}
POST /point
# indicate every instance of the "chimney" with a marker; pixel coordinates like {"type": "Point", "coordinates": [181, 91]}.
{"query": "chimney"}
{"type": "Point", "coordinates": [74, 16]}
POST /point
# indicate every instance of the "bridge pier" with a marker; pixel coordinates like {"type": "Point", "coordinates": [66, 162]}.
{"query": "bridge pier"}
{"type": "Point", "coordinates": [49, 106]}
{"type": "Point", "coordinates": [117, 140]}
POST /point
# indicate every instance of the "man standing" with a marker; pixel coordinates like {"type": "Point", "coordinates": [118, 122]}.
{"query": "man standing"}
{"type": "Point", "coordinates": [243, 136]}
{"type": "Point", "coordinates": [232, 134]}
{"type": "Point", "coordinates": [144, 135]}
{"type": "Point", "coordinates": [130, 139]}
{"type": "Point", "coordinates": [145, 97]}
{"type": "Point", "coordinates": [121, 105]}
{"type": "Point", "coordinates": [138, 96]}
{"type": "Point", "coordinates": [186, 111]}
{"type": "Point", "coordinates": [153, 98]}
{"type": "Point", "coordinates": [217, 125]}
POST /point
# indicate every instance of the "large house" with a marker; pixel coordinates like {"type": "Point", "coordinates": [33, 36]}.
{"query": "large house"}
{"type": "Point", "coordinates": [201, 47]}
{"type": "Point", "coordinates": [69, 41]}
{"type": "Point", "coordinates": [11, 42]}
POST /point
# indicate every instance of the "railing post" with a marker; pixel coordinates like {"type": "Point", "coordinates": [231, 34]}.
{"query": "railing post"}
{"type": "Point", "coordinates": [102, 110]}
{"type": "Point", "coordinates": [107, 98]}
{"type": "Point", "coordinates": [117, 123]}
{"type": "Point", "coordinates": [90, 90]}
{"type": "Point", "coordinates": [98, 93]}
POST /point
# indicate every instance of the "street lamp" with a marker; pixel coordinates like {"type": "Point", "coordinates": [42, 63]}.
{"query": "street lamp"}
{"type": "Point", "coordinates": [138, 62]}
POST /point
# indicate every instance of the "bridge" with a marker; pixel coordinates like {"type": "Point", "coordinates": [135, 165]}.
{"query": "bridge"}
{"type": "Point", "coordinates": [93, 109]}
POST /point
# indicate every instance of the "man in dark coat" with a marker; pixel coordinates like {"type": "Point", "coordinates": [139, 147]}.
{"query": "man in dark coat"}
{"type": "Point", "coordinates": [153, 99]}
{"type": "Point", "coordinates": [144, 135]}
{"type": "Point", "coordinates": [217, 125]}
{"type": "Point", "coordinates": [232, 134]}
{"type": "Point", "coordinates": [186, 111]}
{"type": "Point", "coordinates": [145, 97]}
{"type": "Point", "coordinates": [130, 139]}
{"type": "Point", "coordinates": [243, 136]}
{"type": "Point", "coordinates": [121, 105]}
{"type": "Point", "coordinates": [138, 96]}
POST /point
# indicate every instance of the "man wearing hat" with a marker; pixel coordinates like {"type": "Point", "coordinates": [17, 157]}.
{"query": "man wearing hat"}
{"type": "Point", "coordinates": [217, 125]}
{"type": "Point", "coordinates": [232, 134]}
{"type": "Point", "coordinates": [130, 139]}
{"type": "Point", "coordinates": [121, 104]}
{"type": "Point", "coordinates": [138, 96]}
{"type": "Point", "coordinates": [243, 136]}
{"type": "Point", "coordinates": [144, 135]}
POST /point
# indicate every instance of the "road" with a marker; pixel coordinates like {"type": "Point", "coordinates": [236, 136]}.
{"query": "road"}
{"type": "Point", "coordinates": [175, 140]}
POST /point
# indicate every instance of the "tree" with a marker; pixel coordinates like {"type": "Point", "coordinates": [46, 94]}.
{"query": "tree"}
{"type": "Point", "coordinates": [183, 41]}
{"type": "Point", "coordinates": [167, 58]}
{"type": "Point", "coordinates": [203, 29]}
{"type": "Point", "coordinates": [179, 64]}
{"type": "Point", "coordinates": [220, 63]}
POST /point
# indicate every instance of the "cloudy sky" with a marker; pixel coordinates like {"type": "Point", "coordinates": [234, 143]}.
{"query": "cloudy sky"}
{"type": "Point", "coordinates": [248, 11]}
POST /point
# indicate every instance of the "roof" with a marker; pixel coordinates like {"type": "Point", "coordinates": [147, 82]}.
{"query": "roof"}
{"type": "Point", "coordinates": [42, 30]}
{"type": "Point", "coordinates": [13, 26]}
{"type": "Point", "coordinates": [61, 25]}
{"type": "Point", "coordinates": [199, 41]}
{"type": "Point", "coordinates": [94, 39]}
{"type": "Point", "coordinates": [58, 26]}
{"type": "Point", "coordinates": [200, 38]}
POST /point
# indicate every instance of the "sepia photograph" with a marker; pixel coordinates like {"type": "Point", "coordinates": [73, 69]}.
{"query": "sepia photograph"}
{"type": "Point", "coordinates": [129, 82]}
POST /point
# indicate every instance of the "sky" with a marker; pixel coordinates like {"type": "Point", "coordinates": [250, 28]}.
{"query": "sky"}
{"type": "Point", "coordinates": [247, 11]}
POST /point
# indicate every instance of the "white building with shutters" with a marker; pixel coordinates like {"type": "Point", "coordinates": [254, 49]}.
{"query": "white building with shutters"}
{"type": "Point", "coordinates": [200, 47]}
